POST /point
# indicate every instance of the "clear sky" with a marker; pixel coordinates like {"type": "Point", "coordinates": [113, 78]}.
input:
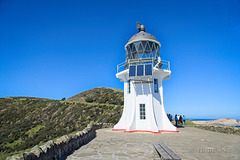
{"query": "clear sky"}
{"type": "Point", "coordinates": [58, 48]}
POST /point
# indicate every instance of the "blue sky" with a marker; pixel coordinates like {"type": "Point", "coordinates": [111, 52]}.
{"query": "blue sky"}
{"type": "Point", "coordinates": [55, 49]}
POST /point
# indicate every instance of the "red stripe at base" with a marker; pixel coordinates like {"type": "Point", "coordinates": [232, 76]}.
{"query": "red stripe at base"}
{"type": "Point", "coordinates": [168, 131]}
{"type": "Point", "coordinates": [134, 131]}
{"type": "Point", "coordinates": [118, 129]}
{"type": "Point", "coordinates": [142, 131]}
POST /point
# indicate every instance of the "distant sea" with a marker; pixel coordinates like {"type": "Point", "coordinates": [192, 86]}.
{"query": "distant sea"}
{"type": "Point", "coordinates": [196, 119]}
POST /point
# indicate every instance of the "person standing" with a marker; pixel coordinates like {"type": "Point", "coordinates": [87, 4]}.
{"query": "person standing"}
{"type": "Point", "coordinates": [184, 120]}
{"type": "Point", "coordinates": [176, 119]}
{"type": "Point", "coordinates": [170, 117]}
{"type": "Point", "coordinates": [181, 120]}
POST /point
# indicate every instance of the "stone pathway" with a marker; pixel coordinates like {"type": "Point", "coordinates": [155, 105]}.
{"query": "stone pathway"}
{"type": "Point", "coordinates": [189, 143]}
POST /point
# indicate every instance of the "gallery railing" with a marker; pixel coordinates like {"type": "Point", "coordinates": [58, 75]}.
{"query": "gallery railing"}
{"type": "Point", "coordinates": [163, 64]}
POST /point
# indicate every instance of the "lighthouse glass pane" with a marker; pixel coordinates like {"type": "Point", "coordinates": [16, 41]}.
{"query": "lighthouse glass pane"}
{"type": "Point", "coordinates": [151, 44]}
{"type": "Point", "coordinates": [156, 85]}
{"type": "Point", "coordinates": [144, 44]}
{"type": "Point", "coordinates": [128, 49]}
{"type": "Point", "coordinates": [132, 71]}
{"type": "Point", "coordinates": [147, 47]}
{"type": "Point", "coordinates": [156, 45]}
{"type": "Point", "coordinates": [140, 70]}
{"type": "Point", "coordinates": [153, 47]}
{"type": "Point", "coordinates": [140, 47]}
{"type": "Point", "coordinates": [137, 45]}
{"type": "Point", "coordinates": [135, 55]}
{"type": "Point", "coordinates": [148, 70]}
{"type": "Point", "coordinates": [133, 49]}
{"type": "Point", "coordinates": [142, 111]}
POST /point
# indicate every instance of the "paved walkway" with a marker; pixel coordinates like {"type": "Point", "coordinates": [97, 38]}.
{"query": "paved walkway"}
{"type": "Point", "coordinates": [189, 143]}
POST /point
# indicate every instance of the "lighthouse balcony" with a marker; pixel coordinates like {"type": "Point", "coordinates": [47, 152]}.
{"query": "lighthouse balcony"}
{"type": "Point", "coordinates": [163, 64]}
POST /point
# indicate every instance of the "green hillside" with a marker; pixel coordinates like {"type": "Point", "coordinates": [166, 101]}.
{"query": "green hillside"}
{"type": "Point", "coordinates": [27, 121]}
{"type": "Point", "coordinates": [100, 95]}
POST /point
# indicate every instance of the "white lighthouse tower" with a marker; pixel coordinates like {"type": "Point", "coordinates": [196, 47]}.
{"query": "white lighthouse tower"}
{"type": "Point", "coordinates": [143, 74]}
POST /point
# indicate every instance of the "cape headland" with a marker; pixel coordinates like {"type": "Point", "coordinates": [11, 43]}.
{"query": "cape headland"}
{"type": "Point", "coordinates": [222, 122]}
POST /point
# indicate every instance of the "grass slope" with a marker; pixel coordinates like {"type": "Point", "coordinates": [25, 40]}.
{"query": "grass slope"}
{"type": "Point", "coordinates": [100, 95]}
{"type": "Point", "coordinates": [28, 121]}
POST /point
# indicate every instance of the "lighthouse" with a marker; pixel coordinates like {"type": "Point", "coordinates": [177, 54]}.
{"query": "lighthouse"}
{"type": "Point", "coordinates": [143, 73]}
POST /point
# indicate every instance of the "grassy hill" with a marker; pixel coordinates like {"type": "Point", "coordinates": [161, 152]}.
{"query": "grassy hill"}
{"type": "Point", "coordinates": [27, 121]}
{"type": "Point", "coordinates": [100, 95]}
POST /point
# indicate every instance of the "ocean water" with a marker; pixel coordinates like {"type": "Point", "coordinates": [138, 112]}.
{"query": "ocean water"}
{"type": "Point", "coordinates": [236, 126]}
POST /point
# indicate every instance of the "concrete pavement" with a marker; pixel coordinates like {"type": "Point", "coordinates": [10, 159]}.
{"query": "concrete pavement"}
{"type": "Point", "coordinates": [190, 143]}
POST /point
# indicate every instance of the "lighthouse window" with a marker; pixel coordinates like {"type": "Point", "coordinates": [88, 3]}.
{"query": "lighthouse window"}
{"type": "Point", "coordinates": [151, 44]}
{"type": "Point", "coordinates": [153, 47]}
{"type": "Point", "coordinates": [133, 48]}
{"type": "Point", "coordinates": [128, 49]}
{"type": "Point", "coordinates": [156, 85]}
{"type": "Point", "coordinates": [140, 70]}
{"type": "Point", "coordinates": [132, 71]}
{"type": "Point", "coordinates": [142, 111]}
{"type": "Point", "coordinates": [140, 47]}
{"type": "Point", "coordinates": [129, 86]}
{"type": "Point", "coordinates": [137, 45]}
{"type": "Point", "coordinates": [144, 44]}
{"type": "Point", "coordinates": [148, 70]}
{"type": "Point", "coordinates": [148, 47]}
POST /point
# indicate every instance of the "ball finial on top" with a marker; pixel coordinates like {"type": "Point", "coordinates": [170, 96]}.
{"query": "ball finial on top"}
{"type": "Point", "coordinates": [140, 27]}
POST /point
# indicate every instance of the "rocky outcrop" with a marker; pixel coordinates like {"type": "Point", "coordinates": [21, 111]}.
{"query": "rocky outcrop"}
{"type": "Point", "coordinates": [53, 150]}
{"type": "Point", "coordinates": [221, 129]}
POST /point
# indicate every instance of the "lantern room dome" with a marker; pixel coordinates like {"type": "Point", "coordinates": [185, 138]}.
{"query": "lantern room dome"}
{"type": "Point", "coordinates": [142, 45]}
{"type": "Point", "coordinates": [142, 36]}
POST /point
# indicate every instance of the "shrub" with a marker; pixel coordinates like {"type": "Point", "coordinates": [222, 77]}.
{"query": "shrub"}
{"type": "Point", "coordinates": [89, 99]}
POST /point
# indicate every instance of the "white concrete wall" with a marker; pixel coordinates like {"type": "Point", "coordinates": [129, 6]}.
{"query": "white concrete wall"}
{"type": "Point", "coordinates": [143, 93]}
{"type": "Point", "coordinates": [161, 117]}
{"type": "Point", "coordinates": [144, 96]}
{"type": "Point", "coordinates": [121, 125]}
